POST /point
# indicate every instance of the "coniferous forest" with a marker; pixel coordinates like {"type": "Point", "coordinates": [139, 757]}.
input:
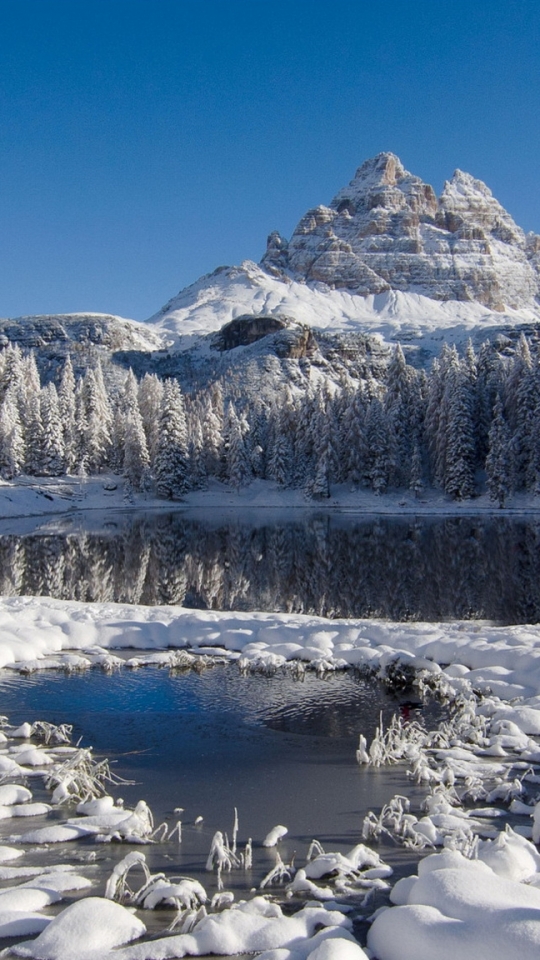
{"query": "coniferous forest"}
{"type": "Point", "coordinates": [469, 423]}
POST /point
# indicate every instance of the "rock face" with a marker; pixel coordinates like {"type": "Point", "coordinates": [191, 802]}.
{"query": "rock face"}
{"type": "Point", "coordinates": [388, 231]}
{"type": "Point", "coordinates": [291, 340]}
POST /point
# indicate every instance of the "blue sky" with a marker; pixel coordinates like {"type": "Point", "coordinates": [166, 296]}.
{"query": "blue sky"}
{"type": "Point", "coordinates": [145, 142]}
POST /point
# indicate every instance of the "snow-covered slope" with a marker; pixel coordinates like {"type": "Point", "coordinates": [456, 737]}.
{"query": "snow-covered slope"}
{"type": "Point", "coordinates": [386, 256]}
{"type": "Point", "coordinates": [231, 292]}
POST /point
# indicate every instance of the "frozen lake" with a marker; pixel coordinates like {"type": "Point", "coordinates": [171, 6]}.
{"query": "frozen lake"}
{"type": "Point", "coordinates": [329, 565]}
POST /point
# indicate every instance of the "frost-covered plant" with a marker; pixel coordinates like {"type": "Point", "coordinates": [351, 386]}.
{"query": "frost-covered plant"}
{"type": "Point", "coordinates": [80, 778]}
{"type": "Point", "coordinates": [224, 857]}
{"type": "Point", "coordinates": [51, 733]}
{"type": "Point", "coordinates": [401, 741]}
{"type": "Point", "coordinates": [281, 873]}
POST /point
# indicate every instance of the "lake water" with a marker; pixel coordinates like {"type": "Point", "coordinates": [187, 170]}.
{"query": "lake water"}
{"type": "Point", "coordinates": [333, 566]}
{"type": "Point", "coordinates": [279, 750]}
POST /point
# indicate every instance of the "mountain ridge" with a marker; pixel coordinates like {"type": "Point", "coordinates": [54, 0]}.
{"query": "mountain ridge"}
{"type": "Point", "coordinates": [386, 256]}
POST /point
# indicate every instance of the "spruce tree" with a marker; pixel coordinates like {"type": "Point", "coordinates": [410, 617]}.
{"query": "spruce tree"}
{"type": "Point", "coordinates": [12, 454]}
{"type": "Point", "coordinates": [136, 459]}
{"type": "Point", "coordinates": [499, 466]}
{"type": "Point", "coordinates": [52, 439]}
{"type": "Point", "coordinates": [238, 468]}
{"type": "Point", "coordinates": [66, 404]}
{"type": "Point", "coordinates": [171, 466]}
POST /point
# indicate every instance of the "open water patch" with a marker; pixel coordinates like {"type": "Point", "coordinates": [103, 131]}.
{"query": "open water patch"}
{"type": "Point", "coordinates": [278, 749]}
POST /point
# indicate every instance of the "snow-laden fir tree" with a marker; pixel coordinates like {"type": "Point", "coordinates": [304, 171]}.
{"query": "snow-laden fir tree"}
{"type": "Point", "coordinates": [379, 448]}
{"type": "Point", "coordinates": [66, 404]}
{"type": "Point", "coordinates": [280, 452]}
{"type": "Point", "coordinates": [150, 397]}
{"type": "Point", "coordinates": [171, 466]}
{"type": "Point", "coordinates": [353, 445]}
{"type": "Point", "coordinates": [460, 450]}
{"type": "Point", "coordinates": [98, 421]}
{"type": "Point", "coordinates": [239, 473]}
{"type": "Point", "coordinates": [500, 460]}
{"type": "Point", "coordinates": [33, 434]}
{"type": "Point", "coordinates": [12, 453]}
{"type": "Point", "coordinates": [136, 458]}
{"type": "Point", "coordinates": [52, 438]}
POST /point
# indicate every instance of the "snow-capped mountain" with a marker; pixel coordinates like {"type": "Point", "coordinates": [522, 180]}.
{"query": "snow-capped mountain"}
{"type": "Point", "coordinates": [386, 256]}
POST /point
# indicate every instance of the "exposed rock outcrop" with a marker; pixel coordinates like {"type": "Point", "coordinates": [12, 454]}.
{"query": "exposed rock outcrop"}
{"type": "Point", "coordinates": [291, 340]}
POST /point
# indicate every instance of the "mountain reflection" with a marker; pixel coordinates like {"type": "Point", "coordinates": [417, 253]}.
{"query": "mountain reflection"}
{"type": "Point", "coordinates": [402, 570]}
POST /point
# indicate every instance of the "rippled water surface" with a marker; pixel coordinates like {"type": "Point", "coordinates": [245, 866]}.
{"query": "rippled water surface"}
{"type": "Point", "coordinates": [280, 750]}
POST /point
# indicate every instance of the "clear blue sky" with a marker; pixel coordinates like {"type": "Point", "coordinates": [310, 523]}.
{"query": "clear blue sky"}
{"type": "Point", "coordinates": [145, 142]}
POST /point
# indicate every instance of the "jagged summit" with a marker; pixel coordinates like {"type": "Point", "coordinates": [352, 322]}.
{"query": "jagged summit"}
{"type": "Point", "coordinates": [387, 230]}
{"type": "Point", "coordinates": [385, 256]}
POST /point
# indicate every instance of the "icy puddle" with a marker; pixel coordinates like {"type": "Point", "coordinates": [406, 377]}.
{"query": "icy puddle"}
{"type": "Point", "coordinates": [282, 751]}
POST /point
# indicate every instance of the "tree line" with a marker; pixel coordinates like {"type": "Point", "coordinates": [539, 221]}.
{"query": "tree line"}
{"type": "Point", "coordinates": [470, 420]}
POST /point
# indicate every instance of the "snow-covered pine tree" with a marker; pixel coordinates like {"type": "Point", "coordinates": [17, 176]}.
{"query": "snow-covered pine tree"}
{"type": "Point", "coordinates": [280, 452]}
{"type": "Point", "coordinates": [378, 445]}
{"type": "Point", "coordinates": [150, 397]}
{"type": "Point", "coordinates": [213, 431]}
{"type": "Point", "coordinates": [33, 434]}
{"type": "Point", "coordinates": [52, 438]}
{"type": "Point", "coordinates": [499, 461]}
{"type": "Point", "coordinates": [136, 459]}
{"type": "Point", "coordinates": [490, 381]}
{"type": "Point", "coordinates": [400, 410]}
{"type": "Point", "coordinates": [526, 404]}
{"type": "Point", "coordinates": [353, 439]}
{"type": "Point", "coordinates": [171, 466]}
{"type": "Point", "coordinates": [11, 372]}
{"type": "Point", "coordinates": [194, 415]}
{"type": "Point", "coordinates": [459, 465]}
{"type": "Point", "coordinates": [416, 478]}
{"type": "Point", "coordinates": [12, 454]}
{"type": "Point", "coordinates": [98, 421]}
{"type": "Point", "coordinates": [66, 404]}
{"type": "Point", "coordinates": [521, 365]}
{"type": "Point", "coordinates": [239, 473]}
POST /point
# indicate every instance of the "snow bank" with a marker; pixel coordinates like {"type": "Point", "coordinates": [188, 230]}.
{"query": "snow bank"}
{"type": "Point", "coordinates": [37, 631]}
{"type": "Point", "coordinates": [459, 909]}
{"type": "Point", "coordinates": [87, 928]}
{"type": "Point", "coordinates": [248, 927]}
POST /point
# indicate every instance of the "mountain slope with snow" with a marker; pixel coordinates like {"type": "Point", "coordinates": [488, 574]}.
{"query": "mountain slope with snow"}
{"type": "Point", "coordinates": [230, 292]}
{"type": "Point", "coordinates": [386, 256]}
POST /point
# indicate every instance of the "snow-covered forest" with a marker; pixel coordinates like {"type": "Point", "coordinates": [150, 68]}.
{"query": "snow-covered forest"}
{"type": "Point", "coordinates": [471, 420]}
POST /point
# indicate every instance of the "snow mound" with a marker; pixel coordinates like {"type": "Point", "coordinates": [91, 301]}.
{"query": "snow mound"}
{"type": "Point", "coordinates": [87, 928]}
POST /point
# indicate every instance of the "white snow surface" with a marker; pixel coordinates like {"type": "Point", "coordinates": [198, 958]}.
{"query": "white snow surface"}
{"type": "Point", "coordinates": [248, 289]}
{"type": "Point", "coordinates": [43, 632]}
{"type": "Point", "coordinates": [89, 928]}
{"type": "Point", "coordinates": [230, 292]}
{"type": "Point", "coordinates": [459, 908]}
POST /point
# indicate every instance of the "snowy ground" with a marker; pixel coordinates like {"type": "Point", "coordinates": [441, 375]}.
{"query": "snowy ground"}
{"type": "Point", "coordinates": [30, 496]}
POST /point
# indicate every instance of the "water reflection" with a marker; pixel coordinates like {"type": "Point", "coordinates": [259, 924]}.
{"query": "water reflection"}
{"type": "Point", "coordinates": [400, 569]}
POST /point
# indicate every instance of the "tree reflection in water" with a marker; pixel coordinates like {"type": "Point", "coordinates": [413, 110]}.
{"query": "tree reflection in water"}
{"type": "Point", "coordinates": [400, 569]}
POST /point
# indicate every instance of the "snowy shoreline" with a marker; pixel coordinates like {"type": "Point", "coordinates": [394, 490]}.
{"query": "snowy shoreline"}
{"type": "Point", "coordinates": [33, 497]}
{"type": "Point", "coordinates": [40, 632]}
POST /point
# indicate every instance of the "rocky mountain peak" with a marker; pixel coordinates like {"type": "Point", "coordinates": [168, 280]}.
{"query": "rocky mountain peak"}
{"type": "Point", "coordinates": [387, 230]}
